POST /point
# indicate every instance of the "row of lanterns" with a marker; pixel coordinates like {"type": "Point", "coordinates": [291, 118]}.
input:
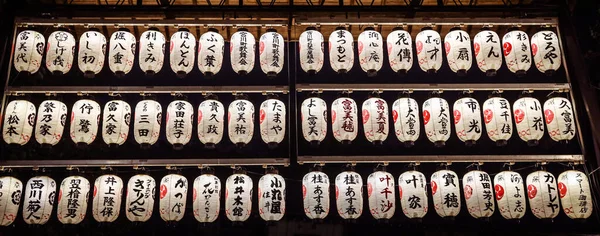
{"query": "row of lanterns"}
{"type": "Point", "coordinates": [508, 189]}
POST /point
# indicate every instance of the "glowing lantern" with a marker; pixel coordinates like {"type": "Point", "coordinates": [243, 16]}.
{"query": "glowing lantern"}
{"type": "Point", "coordinates": [314, 120]}
{"type": "Point", "coordinates": [92, 50]}
{"type": "Point", "coordinates": [19, 119]}
{"type": "Point", "coordinates": [173, 196]}
{"type": "Point", "coordinates": [429, 50]}
{"type": "Point", "coordinates": [349, 194]}
{"type": "Point", "coordinates": [271, 197]}
{"type": "Point", "coordinates": [122, 52]}
{"type": "Point", "coordinates": [546, 51]}
{"type": "Point", "coordinates": [405, 112]}
{"type": "Point", "coordinates": [28, 51]}
{"type": "Point", "coordinates": [10, 199]}
{"type": "Point", "coordinates": [445, 191]}
{"type": "Point", "coordinates": [238, 197]}
{"type": "Point", "coordinates": [211, 114]}
{"type": "Point", "coordinates": [146, 127]}
{"type": "Point", "coordinates": [559, 119]}
{"type": "Point", "coordinates": [139, 200]}
{"type": "Point", "coordinates": [458, 51]}
{"type": "Point", "coordinates": [467, 120]}
{"type": "Point", "coordinates": [400, 53]}
{"type": "Point", "coordinates": [271, 52]}
{"type": "Point", "coordinates": [315, 195]}
{"type": "Point", "coordinates": [182, 52]}
{"type": "Point", "coordinates": [117, 116]}
{"type": "Point", "coordinates": [575, 194]}
{"type": "Point", "coordinates": [515, 46]}
{"type": "Point", "coordinates": [272, 121]}
{"type": "Point", "coordinates": [206, 198]}
{"type": "Point", "coordinates": [40, 192]}
{"type": "Point", "coordinates": [375, 120]}
{"type": "Point", "coordinates": [370, 51]}
{"type": "Point", "coordinates": [344, 119]}
{"type": "Point", "coordinates": [529, 120]}
{"type": "Point", "coordinates": [310, 45]}
{"type": "Point", "coordinates": [106, 203]}
{"type": "Point", "coordinates": [341, 50]}
{"type": "Point", "coordinates": [412, 187]}
{"type": "Point", "coordinates": [60, 51]}
{"type": "Point", "coordinates": [488, 51]}
{"type": "Point", "coordinates": [210, 52]}
{"type": "Point", "coordinates": [180, 115]}
{"type": "Point", "coordinates": [73, 200]}
{"type": "Point", "coordinates": [152, 51]}
{"type": "Point", "coordinates": [497, 117]}
{"type": "Point", "coordinates": [381, 190]}
{"type": "Point", "coordinates": [436, 118]}
{"type": "Point", "coordinates": [240, 122]}
{"type": "Point", "coordinates": [542, 193]}
{"type": "Point", "coordinates": [510, 194]}
{"type": "Point", "coordinates": [85, 118]}
{"type": "Point", "coordinates": [242, 48]}
{"type": "Point", "coordinates": [479, 194]}
{"type": "Point", "coordinates": [52, 115]}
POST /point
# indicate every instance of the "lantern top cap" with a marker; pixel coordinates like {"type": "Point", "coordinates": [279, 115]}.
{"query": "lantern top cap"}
{"type": "Point", "coordinates": [397, 28]}
{"type": "Point", "coordinates": [242, 30]}
{"type": "Point", "coordinates": [94, 29]}
{"type": "Point", "coordinates": [213, 30]}
{"type": "Point", "coordinates": [153, 28]}
{"type": "Point", "coordinates": [211, 97]}
{"type": "Point", "coordinates": [455, 28]}
{"type": "Point", "coordinates": [486, 27]}
{"type": "Point", "coordinates": [183, 30]}
{"type": "Point", "coordinates": [340, 28]}
{"type": "Point", "coordinates": [271, 30]}
{"type": "Point", "coordinates": [426, 28]}
{"type": "Point", "coordinates": [369, 28]}
{"type": "Point", "coordinates": [311, 28]}
{"type": "Point", "coordinates": [124, 29]}
{"type": "Point", "coordinates": [62, 28]}
{"type": "Point", "coordinates": [513, 28]}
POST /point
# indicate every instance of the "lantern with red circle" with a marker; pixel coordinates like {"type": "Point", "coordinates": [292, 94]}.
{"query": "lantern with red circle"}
{"type": "Point", "coordinates": [445, 191]}
{"type": "Point", "coordinates": [381, 189]}
{"type": "Point", "coordinates": [497, 117]}
{"type": "Point", "coordinates": [542, 192]}
{"type": "Point", "coordinates": [529, 120]}
{"type": "Point", "coordinates": [546, 51]}
{"type": "Point", "coordinates": [436, 118]}
{"type": "Point", "coordinates": [510, 195]}
{"type": "Point", "coordinates": [28, 51]}
{"type": "Point", "coordinates": [457, 45]}
{"type": "Point", "coordinates": [479, 195]}
{"type": "Point", "coordinates": [575, 195]}
{"type": "Point", "coordinates": [429, 50]}
{"type": "Point", "coordinates": [560, 119]}
{"type": "Point", "coordinates": [515, 45]}
{"type": "Point", "coordinates": [73, 200]}
{"type": "Point", "coordinates": [467, 120]}
{"type": "Point", "coordinates": [182, 52]}
{"type": "Point", "coordinates": [310, 45]}
{"type": "Point", "coordinates": [341, 50]}
{"type": "Point", "coordinates": [370, 51]}
{"type": "Point", "coordinates": [91, 55]}
{"type": "Point", "coordinates": [242, 49]}
{"type": "Point", "coordinates": [173, 197]}
{"type": "Point", "coordinates": [488, 51]}
{"type": "Point", "coordinates": [400, 52]}
{"type": "Point", "coordinates": [349, 194]}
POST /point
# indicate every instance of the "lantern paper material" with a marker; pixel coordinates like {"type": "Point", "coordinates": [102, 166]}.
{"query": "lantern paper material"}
{"type": "Point", "coordinates": [407, 125]}
{"type": "Point", "coordinates": [529, 119]}
{"type": "Point", "coordinates": [210, 52]}
{"type": "Point", "coordinates": [546, 51]}
{"type": "Point", "coordinates": [479, 195]}
{"type": "Point", "coordinates": [515, 45]}
{"type": "Point", "coordinates": [542, 192]}
{"type": "Point", "coordinates": [314, 119]}
{"type": "Point", "coordinates": [92, 50]}
{"type": "Point", "coordinates": [349, 194]}
{"type": "Point", "coordinates": [240, 121]}
{"type": "Point", "coordinates": [238, 197]}
{"type": "Point", "coordinates": [429, 50]}
{"type": "Point", "coordinates": [173, 196]}
{"type": "Point", "coordinates": [412, 188]}
{"type": "Point", "coordinates": [510, 194]}
{"type": "Point", "coordinates": [10, 198]}
{"type": "Point", "coordinates": [497, 117]}
{"type": "Point", "coordinates": [152, 51]}
{"type": "Point", "coordinates": [375, 119]}
{"type": "Point", "coordinates": [115, 124]}
{"type": "Point", "coordinates": [242, 48]}
{"type": "Point", "coordinates": [271, 197]}
{"type": "Point", "coordinates": [60, 51]}
{"type": "Point", "coordinates": [28, 51]}
{"type": "Point", "coordinates": [211, 119]}
{"type": "Point", "coordinates": [445, 191]}
{"type": "Point", "coordinates": [139, 200]}
{"type": "Point", "coordinates": [272, 121]}
{"type": "Point", "coordinates": [467, 120]}
{"type": "Point", "coordinates": [73, 200]}
{"type": "Point", "coordinates": [122, 52]}
{"type": "Point", "coordinates": [312, 51]}
{"type": "Point", "coordinates": [180, 117]}
{"type": "Point", "coordinates": [148, 117]}
{"type": "Point", "coordinates": [85, 118]}
{"type": "Point", "coordinates": [436, 118]}
{"type": "Point", "coordinates": [207, 198]}
{"type": "Point", "coordinates": [315, 195]}
{"type": "Point", "coordinates": [400, 53]}
{"type": "Point", "coordinates": [488, 51]}
{"type": "Point", "coordinates": [370, 51]}
{"type": "Point", "coordinates": [38, 203]}
{"type": "Point", "coordinates": [108, 192]}
{"type": "Point", "coordinates": [559, 118]}
{"type": "Point", "coordinates": [51, 119]}
{"type": "Point", "coordinates": [341, 51]}
{"type": "Point", "coordinates": [575, 194]}
{"type": "Point", "coordinates": [271, 51]}
{"type": "Point", "coordinates": [381, 190]}
{"type": "Point", "coordinates": [344, 119]}
{"type": "Point", "coordinates": [182, 52]}
{"type": "Point", "coordinates": [19, 119]}
{"type": "Point", "coordinates": [458, 51]}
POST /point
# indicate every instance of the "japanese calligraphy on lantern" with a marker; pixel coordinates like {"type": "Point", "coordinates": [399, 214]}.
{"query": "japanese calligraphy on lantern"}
{"type": "Point", "coordinates": [92, 50]}
{"type": "Point", "coordinates": [436, 118]}
{"type": "Point", "coordinates": [497, 117]}
{"type": "Point", "coordinates": [206, 198]}
{"type": "Point", "coordinates": [28, 51]}
{"type": "Point", "coordinates": [429, 47]}
{"type": "Point", "coordinates": [238, 197]}
{"type": "Point", "coordinates": [488, 50]}
{"type": "Point", "coordinates": [515, 45]}
{"type": "Point", "coordinates": [146, 126]}
{"type": "Point", "coordinates": [85, 118]}
{"type": "Point", "coordinates": [477, 187]}
{"type": "Point", "coordinates": [242, 48]}
{"type": "Point", "coordinates": [546, 51]}
{"type": "Point", "coordinates": [381, 190]}
{"type": "Point", "coordinates": [445, 191]}
{"type": "Point", "coordinates": [240, 121]}
{"type": "Point", "coordinates": [211, 122]}
{"type": "Point", "coordinates": [19, 119]}
{"type": "Point", "coordinates": [542, 193]}
{"type": "Point", "coordinates": [575, 195]}
{"type": "Point", "coordinates": [210, 52]}
{"type": "Point", "coordinates": [139, 202]}
{"type": "Point", "coordinates": [121, 52]}
{"type": "Point", "coordinates": [272, 121]}
{"type": "Point", "coordinates": [271, 197]}
{"type": "Point", "coordinates": [375, 120]}
{"type": "Point", "coordinates": [370, 51]}
{"type": "Point", "coordinates": [314, 119]}
{"type": "Point", "coordinates": [10, 198]}
{"type": "Point", "coordinates": [405, 112]}
{"type": "Point", "coordinates": [510, 194]}
{"type": "Point", "coordinates": [60, 51]}
{"type": "Point", "coordinates": [349, 194]}
{"type": "Point", "coordinates": [457, 45]}
{"type": "Point", "coordinates": [173, 196]}
{"type": "Point", "coordinates": [315, 194]}
{"type": "Point", "coordinates": [341, 50]}
{"type": "Point", "coordinates": [180, 115]}
{"type": "Point", "coordinates": [271, 51]}
{"type": "Point", "coordinates": [38, 203]}
{"type": "Point", "coordinates": [467, 120]}
{"type": "Point", "coordinates": [344, 119]}
{"type": "Point", "coordinates": [73, 200]}
{"type": "Point", "coordinates": [51, 119]}
{"type": "Point", "coordinates": [399, 48]}
{"type": "Point", "coordinates": [115, 123]}
{"type": "Point", "coordinates": [311, 47]}
{"type": "Point", "coordinates": [560, 120]}
{"type": "Point", "coordinates": [529, 120]}
{"type": "Point", "coordinates": [412, 188]}
{"type": "Point", "coordinates": [152, 51]}
{"type": "Point", "coordinates": [182, 52]}
{"type": "Point", "coordinates": [108, 190]}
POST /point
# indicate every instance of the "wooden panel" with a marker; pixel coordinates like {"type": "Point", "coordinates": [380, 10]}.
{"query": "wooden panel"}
{"type": "Point", "coordinates": [299, 2]}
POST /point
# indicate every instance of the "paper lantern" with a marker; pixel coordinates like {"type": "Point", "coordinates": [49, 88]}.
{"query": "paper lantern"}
{"type": "Point", "coordinates": [349, 194]}
{"type": "Point", "coordinates": [28, 51]}
{"type": "Point", "coordinates": [10, 199]}
{"type": "Point", "coordinates": [546, 51]}
{"type": "Point", "coordinates": [240, 122]}
{"type": "Point", "coordinates": [477, 187]}
{"type": "Point", "coordinates": [19, 119]}
{"type": "Point", "coordinates": [180, 117]}
{"type": "Point", "coordinates": [238, 197]}
{"type": "Point", "coordinates": [73, 200]}
{"type": "Point", "coordinates": [173, 196]}
{"type": "Point", "coordinates": [375, 120]}
{"type": "Point", "coordinates": [341, 50]}
{"type": "Point", "coordinates": [436, 118]}
{"type": "Point", "coordinates": [122, 52]}
{"type": "Point", "coordinates": [488, 51]}
{"type": "Point", "coordinates": [92, 50]}
{"type": "Point", "coordinates": [210, 52]}
{"type": "Point", "coordinates": [315, 195]}
{"type": "Point", "coordinates": [242, 48]}
{"type": "Point", "coordinates": [271, 197]}
{"type": "Point", "coordinates": [412, 187]}
{"type": "Point", "coordinates": [271, 51]}
{"type": "Point", "coordinates": [344, 119]}
{"type": "Point", "coordinates": [40, 192]}
{"type": "Point", "coordinates": [429, 50]}
{"type": "Point", "coordinates": [515, 45]}
{"type": "Point", "coordinates": [314, 120]}
{"type": "Point", "coordinates": [400, 53]}
{"type": "Point", "coordinates": [60, 51]}
{"type": "Point", "coordinates": [108, 190]}
{"type": "Point", "coordinates": [146, 126]}
{"type": "Point", "coordinates": [311, 50]}
{"type": "Point", "coordinates": [542, 193]}
{"type": "Point", "coordinates": [381, 190]}
{"type": "Point", "coordinates": [467, 120]}
{"type": "Point", "coordinates": [182, 52]}
{"type": "Point", "coordinates": [445, 191]}
{"type": "Point", "coordinates": [510, 194]}
{"type": "Point", "coordinates": [575, 194]}
{"type": "Point", "coordinates": [211, 119]}
{"type": "Point", "coordinates": [139, 200]}
{"type": "Point", "coordinates": [272, 122]}
{"type": "Point", "coordinates": [370, 51]}
{"type": "Point", "coordinates": [457, 45]}
{"type": "Point", "coordinates": [85, 118]}
{"type": "Point", "coordinates": [497, 117]}
{"type": "Point", "coordinates": [152, 51]}
{"type": "Point", "coordinates": [558, 114]}
{"type": "Point", "coordinates": [117, 116]}
{"type": "Point", "coordinates": [405, 112]}
{"type": "Point", "coordinates": [52, 115]}
{"type": "Point", "coordinates": [529, 120]}
{"type": "Point", "coordinates": [206, 198]}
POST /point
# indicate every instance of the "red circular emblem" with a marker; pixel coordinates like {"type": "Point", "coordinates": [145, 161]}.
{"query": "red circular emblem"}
{"type": "Point", "coordinates": [534, 48]}
{"type": "Point", "coordinates": [389, 48]}
{"type": "Point", "coordinates": [507, 47]}
{"type": "Point", "coordinates": [562, 189]}
{"type": "Point", "coordinates": [360, 47]}
{"type": "Point", "coordinates": [262, 115]}
{"type": "Point", "coordinates": [468, 192]}
{"type": "Point", "coordinates": [400, 191]}
{"type": "Point", "coordinates": [433, 187]}
{"type": "Point", "coordinates": [333, 117]}
{"type": "Point", "coordinates": [369, 189]}
{"type": "Point", "coordinates": [163, 191]}
{"type": "Point", "coordinates": [194, 195]}
{"type": "Point", "coordinates": [419, 47]}
{"type": "Point", "coordinates": [499, 191]}
{"type": "Point", "coordinates": [488, 115]}
{"type": "Point", "coordinates": [261, 47]}
{"type": "Point", "coordinates": [519, 116]}
{"type": "Point", "coordinates": [456, 116]}
{"type": "Point", "coordinates": [199, 116]}
{"type": "Point", "coordinates": [426, 117]}
{"type": "Point", "coordinates": [365, 115]}
{"type": "Point", "coordinates": [447, 47]}
{"type": "Point", "coordinates": [531, 191]}
{"type": "Point", "coordinates": [303, 191]}
{"type": "Point", "coordinates": [477, 48]}
{"type": "Point", "coordinates": [549, 116]}
{"type": "Point", "coordinates": [395, 115]}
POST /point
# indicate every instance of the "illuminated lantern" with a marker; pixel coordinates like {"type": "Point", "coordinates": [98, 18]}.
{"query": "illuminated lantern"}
{"type": "Point", "coordinates": [429, 50]}
{"type": "Point", "coordinates": [242, 48]}
{"type": "Point", "coordinates": [315, 195]}
{"type": "Point", "coordinates": [344, 119]}
{"type": "Point", "coordinates": [349, 195]}
{"type": "Point", "coordinates": [510, 194]}
{"type": "Point", "coordinates": [375, 120]}
{"type": "Point", "coordinates": [10, 198]}
{"type": "Point", "coordinates": [40, 193]}
{"type": "Point", "coordinates": [575, 194]}
{"type": "Point", "coordinates": [173, 196]}
{"type": "Point", "coordinates": [271, 51]}
{"type": "Point", "coordinates": [211, 116]}
{"type": "Point", "coordinates": [92, 50]}
{"type": "Point", "coordinates": [182, 52]}
{"type": "Point", "coordinates": [107, 189]}
{"type": "Point", "coordinates": [238, 197]}
{"type": "Point", "coordinates": [272, 121]}
{"type": "Point", "coordinates": [28, 51]}
{"type": "Point", "coordinates": [341, 50]}
{"type": "Point", "coordinates": [529, 120]}
{"type": "Point", "coordinates": [488, 51]}
{"type": "Point", "coordinates": [405, 112]}
{"type": "Point", "coordinates": [122, 52]}
{"type": "Point", "coordinates": [400, 53]}
{"type": "Point", "coordinates": [314, 120]}
{"type": "Point", "coordinates": [19, 119]}
{"type": "Point", "coordinates": [497, 117]}
{"type": "Point", "coordinates": [206, 198]}
{"type": "Point", "coordinates": [312, 51]}
{"type": "Point", "coordinates": [180, 115]}
{"type": "Point", "coordinates": [240, 122]}
{"type": "Point", "coordinates": [382, 195]}
{"type": "Point", "coordinates": [52, 115]}
{"type": "Point", "coordinates": [60, 51]}
{"type": "Point", "coordinates": [546, 51]}
{"type": "Point", "coordinates": [152, 51]}
{"type": "Point", "coordinates": [117, 116]}
{"type": "Point", "coordinates": [457, 45]}
{"type": "Point", "coordinates": [559, 119]}
{"type": "Point", "coordinates": [85, 118]}
{"type": "Point", "coordinates": [445, 191]}
{"type": "Point", "coordinates": [370, 51]}
{"type": "Point", "coordinates": [210, 52]}
{"type": "Point", "coordinates": [467, 120]}
{"type": "Point", "coordinates": [479, 194]}
{"type": "Point", "coordinates": [146, 127]}
{"type": "Point", "coordinates": [412, 187]}
{"type": "Point", "coordinates": [271, 197]}
{"type": "Point", "coordinates": [515, 45]}
{"type": "Point", "coordinates": [73, 200]}
{"type": "Point", "coordinates": [139, 200]}
{"type": "Point", "coordinates": [436, 118]}
{"type": "Point", "coordinates": [542, 193]}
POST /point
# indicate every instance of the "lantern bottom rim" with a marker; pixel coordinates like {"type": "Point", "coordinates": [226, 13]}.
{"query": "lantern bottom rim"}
{"type": "Point", "coordinates": [150, 73]}
{"type": "Point", "coordinates": [88, 74]}
{"type": "Point", "coordinates": [315, 143]}
{"type": "Point", "coordinates": [242, 72]}
{"type": "Point", "coordinates": [209, 74]}
{"type": "Point", "coordinates": [371, 73]}
{"type": "Point", "coordinates": [470, 143]}
{"type": "Point", "coordinates": [240, 145]}
{"type": "Point", "coordinates": [439, 144]}
{"type": "Point", "coordinates": [346, 142]}
{"type": "Point", "coordinates": [501, 142]}
{"type": "Point", "coordinates": [402, 72]}
{"type": "Point", "coordinates": [311, 72]}
{"type": "Point", "coordinates": [273, 145]}
{"type": "Point", "coordinates": [178, 146]}
{"type": "Point", "coordinates": [377, 142]}
{"type": "Point", "coordinates": [181, 74]}
{"type": "Point", "coordinates": [549, 72]}
{"type": "Point", "coordinates": [533, 143]}
{"type": "Point", "coordinates": [57, 73]}
{"type": "Point", "coordinates": [145, 145]}
{"type": "Point", "coordinates": [431, 71]}
{"type": "Point", "coordinates": [490, 73]}
{"type": "Point", "coordinates": [461, 72]}
{"type": "Point", "coordinates": [271, 74]}
{"type": "Point", "coordinates": [520, 73]}
{"type": "Point", "coordinates": [119, 74]}
{"type": "Point", "coordinates": [342, 71]}
{"type": "Point", "coordinates": [409, 144]}
{"type": "Point", "coordinates": [210, 145]}
{"type": "Point", "coordinates": [81, 145]}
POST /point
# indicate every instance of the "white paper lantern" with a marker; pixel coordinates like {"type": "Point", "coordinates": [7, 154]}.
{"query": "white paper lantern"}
{"type": "Point", "coordinates": [271, 197]}
{"type": "Point", "coordinates": [272, 122]}
{"type": "Point", "coordinates": [10, 198]}
{"type": "Point", "coordinates": [117, 116]}
{"type": "Point", "coordinates": [173, 196]}
{"type": "Point", "coordinates": [51, 119]}
{"type": "Point", "coordinates": [122, 52]}
{"type": "Point", "coordinates": [445, 191]}
{"type": "Point", "coordinates": [341, 50]}
{"type": "Point", "coordinates": [399, 48]}
{"type": "Point", "coordinates": [429, 50]}
{"type": "Point", "coordinates": [412, 187]}
{"type": "Point", "coordinates": [243, 49]}
{"type": "Point", "coordinates": [575, 194]}
{"type": "Point", "coordinates": [479, 194]}
{"type": "Point", "coordinates": [510, 194]}
{"type": "Point", "coordinates": [146, 127]}
{"type": "Point", "coordinates": [315, 195]}
{"type": "Point", "coordinates": [407, 125]}
{"type": "Point", "coordinates": [139, 201]}
{"type": "Point", "coordinates": [271, 51]}
{"type": "Point", "coordinates": [529, 120]}
{"type": "Point", "coordinates": [349, 194]}
{"type": "Point", "coordinates": [152, 51]}
{"type": "Point", "coordinates": [28, 51]}
{"type": "Point", "coordinates": [210, 52]}
{"type": "Point", "coordinates": [314, 120]}
{"type": "Point", "coordinates": [542, 193]}
{"type": "Point", "coordinates": [40, 193]}
{"type": "Point", "coordinates": [344, 119]}
{"type": "Point", "coordinates": [91, 53]}
{"type": "Point", "coordinates": [180, 118]}
{"type": "Point", "coordinates": [240, 122]}
{"type": "Point", "coordinates": [457, 45]}
{"type": "Point", "coordinates": [497, 117]}
{"type": "Point", "coordinates": [108, 192]}
{"type": "Point", "coordinates": [381, 189]}
{"type": "Point", "coordinates": [73, 200]}
{"type": "Point", "coordinates": [560, 119]}
{"type": "Point", "coordinates": [467, 120]}
{"type": "Point", "coordinates": [60, 51]}
{"type": "Point", "coordinates": [85, 118]}
{"type": "Point", "coordinates": [436, 118]}
{"type": "Point", "coordinates": [546, 51]}
{"type": "Point", "coordinates": [515, 45]}
{"type": "Point", "coordinates": [370, 51]}
{"type": "Point", "coordinates": [375, 120]}
{"type": "Point", "coordinates": [206, 198]}
{"type": "Point", "coordinates": [182, 52]}
{"type": "Point", "coordinates": [238, 197]}
{"type": "Point", "coordinates": [488, 51]}
{"type": "Point", "coordinates": [312, 51]}
{"type": "Point", "coordinates": [211, 119]}
{"type": "Point", "coordinates": [19, 119]}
